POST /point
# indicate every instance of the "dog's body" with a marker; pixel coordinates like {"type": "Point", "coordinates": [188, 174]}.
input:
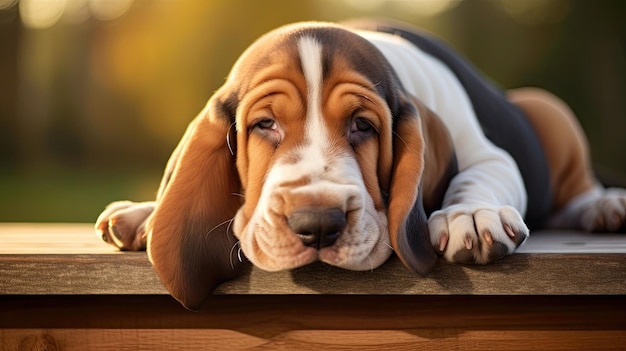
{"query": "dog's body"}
{"type": "Point", "coordinates": [345, 145]}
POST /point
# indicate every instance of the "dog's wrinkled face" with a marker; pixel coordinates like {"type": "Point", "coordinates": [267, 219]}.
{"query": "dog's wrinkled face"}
{"type": "Point", "coordinates": [314, 151]}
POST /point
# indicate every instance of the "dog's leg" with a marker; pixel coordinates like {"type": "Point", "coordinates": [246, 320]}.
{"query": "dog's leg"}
{"type": "Point", "coordinates": [480, 220]}
{"type": "Point", "coordinates": [580, 202]}
{"type": "Point", "coordinates": [123, 224]}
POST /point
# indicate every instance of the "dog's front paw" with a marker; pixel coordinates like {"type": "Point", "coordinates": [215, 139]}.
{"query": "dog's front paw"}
{"type": "Point", "coordinates": [606, 213]}
{"type": "Point", "coordinates": [476, 235]}
{"type": "Point", "coordinates": [123, 224]}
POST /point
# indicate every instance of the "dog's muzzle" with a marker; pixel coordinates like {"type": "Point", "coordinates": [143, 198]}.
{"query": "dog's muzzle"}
{"type": "Point", "coordinates": [317, 227]}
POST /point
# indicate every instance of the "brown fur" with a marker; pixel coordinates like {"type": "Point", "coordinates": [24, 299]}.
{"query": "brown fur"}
{"type": "Point", "coordinates": [439, 158]}
{"type": "Point", "coordinates": [408, 228]}
{"type": "Point", "coordinates": [219, 168]}
{"type": "Point", "coordinates": [199, 191]}
{"type": "Point", "coordinates": [562, 140]}
{"type": "Point", "coordinates": [189, 243]}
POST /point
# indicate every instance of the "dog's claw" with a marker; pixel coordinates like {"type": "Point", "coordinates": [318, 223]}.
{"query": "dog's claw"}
{"type": "Point", "coordinates": [488, 238]}
{"type": "Point", "coordinates": [509, 231]}
{"type": "Point", "coordinates": [468, 242]}
{"type": "Point", "coordinates": [443, 242]}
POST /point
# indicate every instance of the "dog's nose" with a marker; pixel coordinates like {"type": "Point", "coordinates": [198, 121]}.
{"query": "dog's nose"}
{"type": "Point", "coordinates": [317, 227]}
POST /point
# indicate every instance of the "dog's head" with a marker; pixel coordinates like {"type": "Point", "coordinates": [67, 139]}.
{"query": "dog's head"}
{"type": "Point", "coordinates": [311, 150]}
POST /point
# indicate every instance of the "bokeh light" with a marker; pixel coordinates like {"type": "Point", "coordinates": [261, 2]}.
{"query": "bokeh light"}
{"type": "Point", "coordinates": [535, 12]}
{"type": "Point", "coordinates": [102, 90]}
{"type": "Point", "coordinates": [422, 8]}
{"type": "Point", "coordinates": [5, 4]}
{"type": "Point", "coordinates": [109, 9]}
{"type": "Point", "coordinates": [42, 14]}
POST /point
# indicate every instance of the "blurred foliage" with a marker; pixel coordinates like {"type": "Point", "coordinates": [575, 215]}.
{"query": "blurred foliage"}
{"type": "Point", "coordinates": [94, 98]}
{"type": "Point", "coordinates": [67, 195]}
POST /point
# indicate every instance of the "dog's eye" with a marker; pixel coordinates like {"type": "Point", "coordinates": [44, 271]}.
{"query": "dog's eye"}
{"type": "Point", "coordinates": [360, 129]}
{"type": "Point", "coordinates": [360, 124]}
{"type": "Point", "coordinates": [266, 123]}
{"type": "Point", "coordinates": [268, 129]}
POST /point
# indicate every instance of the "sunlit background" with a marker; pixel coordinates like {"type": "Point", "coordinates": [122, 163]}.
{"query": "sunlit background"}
{"type": "Point", "coordinates": [94, 94]}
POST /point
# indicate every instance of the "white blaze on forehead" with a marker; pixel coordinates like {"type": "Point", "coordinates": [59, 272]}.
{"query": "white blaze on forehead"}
{"type": "Point", "coordinates": [316, 135]}
{"type": "Point", "coordinates": [311, 59]}
{"type": "Point", "coordinates": [334, 180]}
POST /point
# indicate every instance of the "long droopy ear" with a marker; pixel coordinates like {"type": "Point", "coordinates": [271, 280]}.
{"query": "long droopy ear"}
{"type": "Point", "coordinates": [408, 226]}
{"type": "Point", "coordinates": [189, 240]}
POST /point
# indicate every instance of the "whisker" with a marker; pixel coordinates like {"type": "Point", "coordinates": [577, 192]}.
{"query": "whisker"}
{"type": "Point", "coordinates": [389, 246]}
{"type": "Point", "coordinates": [239, 254]}
{"type": "Point", "coordinates": [399, 137]}
{"type": "Point", "coordinates": [368, 99]}
{"type": "Point", "coordinates": [238, 194]}
{"type": "Point", "coordinates": [230, 256]}
{"type": "Point", "coordinates": [230, 147]}
{"type": "Point", "coordinates": [228, 231]}
{"type": "Point", "coordinates": [386, 243]}
{"type": "Point", "coordinates": [219, 225]}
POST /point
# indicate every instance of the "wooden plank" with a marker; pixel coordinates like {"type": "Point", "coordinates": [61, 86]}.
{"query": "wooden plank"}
{"type": "Point", "coordinates": [517, 274]}
{"type": "Point", "coordinates": [63, 289]}
{"type": "Point", "coordinates": [80, 238]}
{"type": "Point", "coordinates": [193, 339]}
{"type": "Point", "coordinates": [319, 321]}
{"type": "Point", "coordinates": [573, 242]}
{"type": "Point", "coordinates": [78, 274]}
{"type": "Point", "coordinates": [39, 259]}
{"type": "Point", "coordinates": [270, 315]}
{"type": "Point", "coordinates": [52, 238]}
{"type": "Point", "coordinates": [131, 273]}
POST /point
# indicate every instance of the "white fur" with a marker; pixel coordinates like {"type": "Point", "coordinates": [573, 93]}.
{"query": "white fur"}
{"type": "Point", "coordinates": [596, 209]}
{"type": "Point", "coordinates": [311, 59]}
{"type": "Point", "coordinates": [266, 240]}
{"type": "Point", "coordinates": [488, 179]}
{"type": "Point", "coordinates": [483, 204]}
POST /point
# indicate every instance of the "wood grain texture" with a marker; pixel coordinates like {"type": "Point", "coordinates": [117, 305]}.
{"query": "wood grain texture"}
{"type": "Point", "coordinates": [40, 259]}
{"type": "Point", "coordinates": [192, 339]}
{"type": "Point", "coordinates": [52, 238]}
{"type": "Point", "coordinates": [76, 274]}
{"type": "Point", "coordinates": [271, 315]}
{"type": "Point", "coordinates": [517, 274]}
{"type": "Point", "coordinates": [334, 322]}
{"type": "Point", "coordinates": [80, 238]}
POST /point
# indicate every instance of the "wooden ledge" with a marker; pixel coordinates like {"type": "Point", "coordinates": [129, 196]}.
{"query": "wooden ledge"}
{"type": "Point", "coordinates": [68, 259]}
{"type": "Point", "coordinates": [61, 288]}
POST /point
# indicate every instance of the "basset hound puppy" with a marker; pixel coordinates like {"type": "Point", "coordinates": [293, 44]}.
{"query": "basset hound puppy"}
{"type": "Point", "coordinates": [348, 143]}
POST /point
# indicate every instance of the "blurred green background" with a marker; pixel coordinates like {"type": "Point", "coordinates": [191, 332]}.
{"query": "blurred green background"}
{"type": "Point", "coordinates": [94, 94]}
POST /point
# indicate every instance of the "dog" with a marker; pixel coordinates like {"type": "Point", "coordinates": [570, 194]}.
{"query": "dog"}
{"type": "Point", "coordinates": [346, 143]}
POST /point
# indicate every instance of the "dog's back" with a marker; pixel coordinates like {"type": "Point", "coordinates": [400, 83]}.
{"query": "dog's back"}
{"type": "Point", "coordinates": [503, 123]}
